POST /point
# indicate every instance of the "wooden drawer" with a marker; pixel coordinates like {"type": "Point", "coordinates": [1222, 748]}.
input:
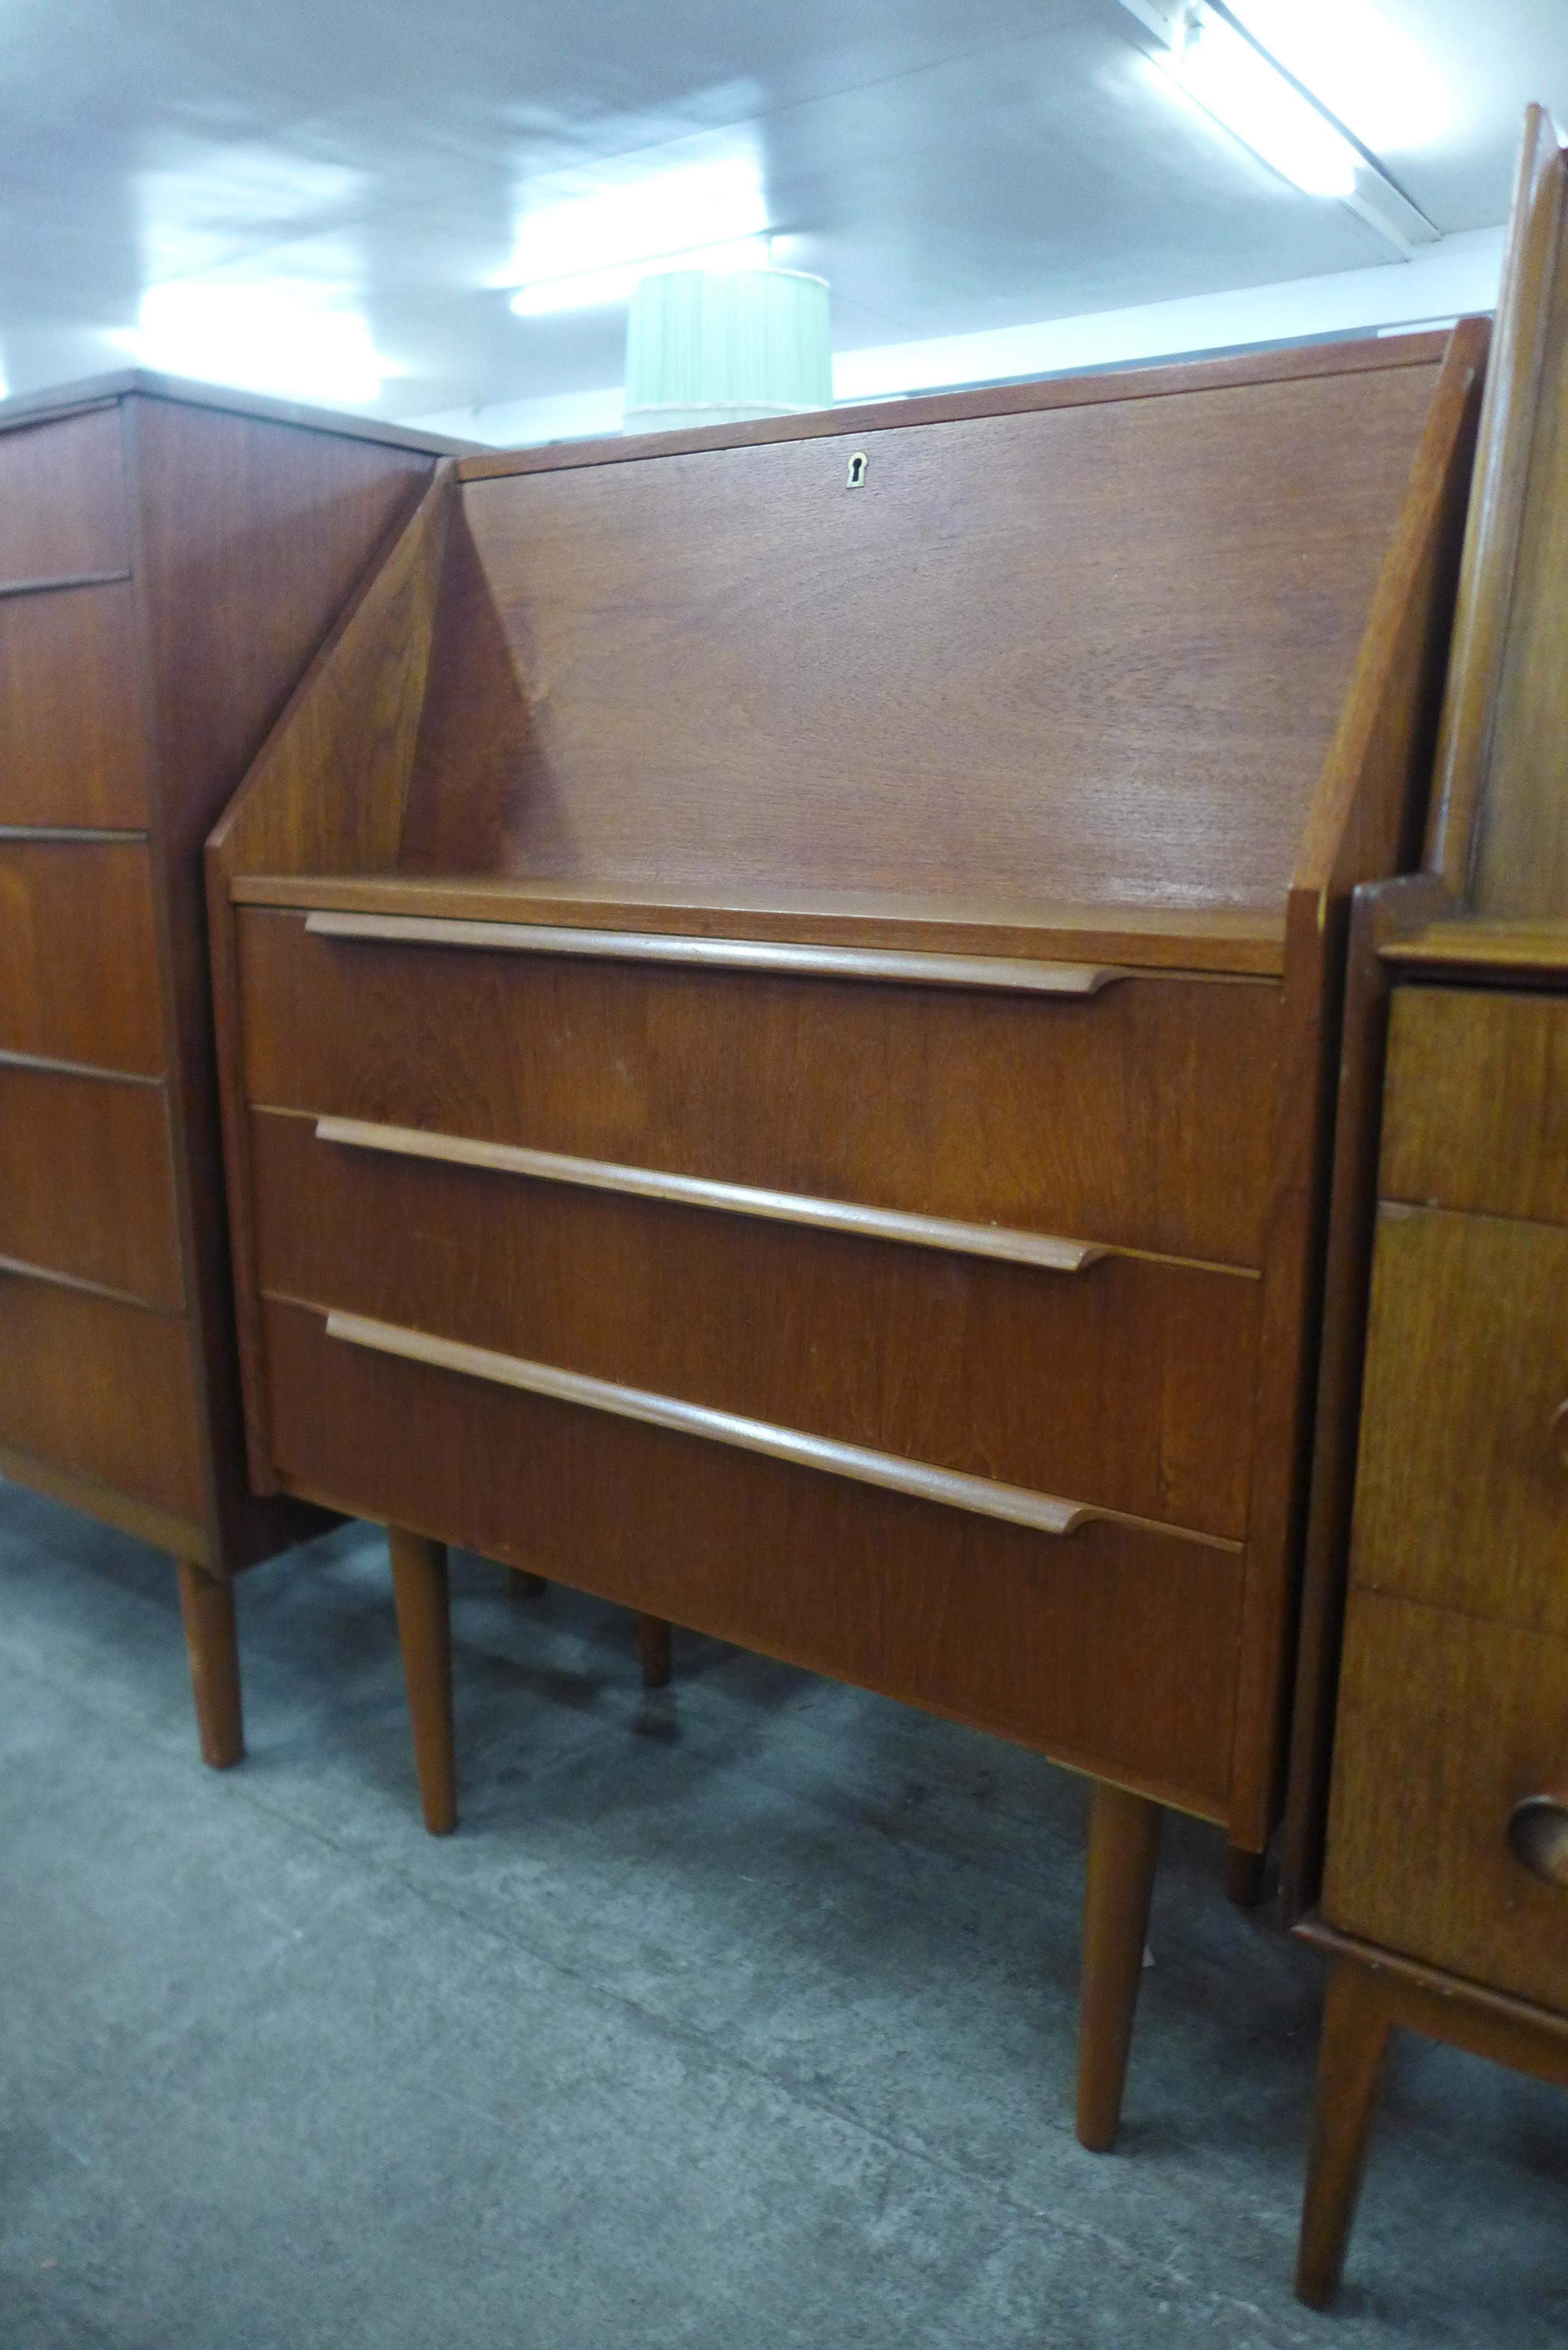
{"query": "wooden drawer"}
{"type": "Point", "coordinates": [100, 1387]}
{"type": "Point", "coordinates": [1444, 1724]}
{"type": "Point", "coordinates": [62, 499]}
{"type": "Point", "coordinates": [87, 1186]}
{"type": "Point", "coordinates": [1462, 1484]}
{"type": "Point", "coordinates": [1127, 1383]}
{"type": "Point", "coordinates": [78, 961]}
{"type": "Point", "coordinates": [1476, 1113]}
{"type": "Point", "coordinates": [1141, 1114]}
{"type": "Point", "coordinates": [71, 751]}
{"type": "Point", "coordinates": [1063, 1643]}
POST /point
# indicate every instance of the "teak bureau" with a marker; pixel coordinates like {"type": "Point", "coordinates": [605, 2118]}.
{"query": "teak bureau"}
{"type": "Point", "coordinates": [170, 558]}
{"type": "Point", "coordinates": [779, 1019]}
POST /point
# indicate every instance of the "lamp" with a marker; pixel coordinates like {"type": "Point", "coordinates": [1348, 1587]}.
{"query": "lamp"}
{"type": "Point", "coordinates": [722, 346]}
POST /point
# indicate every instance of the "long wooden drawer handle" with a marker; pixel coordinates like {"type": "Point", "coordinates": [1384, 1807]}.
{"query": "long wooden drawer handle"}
{"type": "Point", "coordinates": [1011, 972]}
{"type": "Point", "coordinates": [1538, 1836]}
{"type": "Point", "coordinates": [1040, 1249]}
{"type": "Point", "coordinates": [1043, 1512]}
{"type": "Point", "coordinates": [1559, 1432]}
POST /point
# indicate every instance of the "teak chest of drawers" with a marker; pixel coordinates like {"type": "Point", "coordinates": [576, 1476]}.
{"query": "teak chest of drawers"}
{"type": "Point", "coordinates": [170, 560]}
{"type": "Point", "coordinates": [778, 1015]}
{"type": "Point", "coordinates": [1439, 1514]}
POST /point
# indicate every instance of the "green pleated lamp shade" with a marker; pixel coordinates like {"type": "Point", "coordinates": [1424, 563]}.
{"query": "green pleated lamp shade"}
{"type": "Point", "coordinates": [719, 345]}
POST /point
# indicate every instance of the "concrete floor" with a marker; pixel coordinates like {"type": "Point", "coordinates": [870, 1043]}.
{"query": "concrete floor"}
{"type": "Point", "coordinates": [738, 2017]}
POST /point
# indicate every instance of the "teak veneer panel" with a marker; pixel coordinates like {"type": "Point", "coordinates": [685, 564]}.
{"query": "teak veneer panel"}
{"type": "Point", "coordinates": [87, 1186]}
{"type": "Point", "coordinates": [1445, 1724]}
{"type": "Point", "coordinates": [63, 499]}
{"type": "Point", "coordinates": [1127, 1384]}
{"type": "Point", "coordinates": [1462, 1489]}
{"type": "Point", "coordinates": [71, 749]}
{"type": "Point", "coordinates": [1130, 1117]}
{"type": "Point", "coordinates": [720, 667]}
{"type": "Point", "coordinates": [1477, 1109]}
{"type": "Point", "coordinates": [1247, 943]}
{"type": "Point", "coordinates": [1063, 1643]}
{"type": "Point", "coordinates": [102, 1387]}
{"type": "Point", "coordinates": [79, 953]}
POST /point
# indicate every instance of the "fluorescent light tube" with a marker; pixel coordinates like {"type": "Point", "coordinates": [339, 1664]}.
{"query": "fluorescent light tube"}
{"type": "Point", "coordinates": [1242, 88]}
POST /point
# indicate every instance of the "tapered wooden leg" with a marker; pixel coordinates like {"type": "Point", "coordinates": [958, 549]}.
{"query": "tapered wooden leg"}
{"type": "Point", "coordinates": [1124, 1845]}
{"type": "Point", "coordinates": [653, 1641]}
{"type": "Point", "coordinates": [1357, 2018]}
{"type": "Point", "coordinates": [207, 1605]}
{"type": "Point", "coordinates": [424, 1630]}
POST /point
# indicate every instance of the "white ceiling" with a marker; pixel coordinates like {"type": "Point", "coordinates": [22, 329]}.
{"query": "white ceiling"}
{"type": "Point", "coordinates": [953, 167]}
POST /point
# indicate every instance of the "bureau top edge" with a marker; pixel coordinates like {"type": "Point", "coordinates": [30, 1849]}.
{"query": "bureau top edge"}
{"type": "Point", "coordinates": [1023, 951]}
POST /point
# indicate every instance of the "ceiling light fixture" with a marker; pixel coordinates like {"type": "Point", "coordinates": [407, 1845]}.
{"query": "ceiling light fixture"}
{"type": "Point", "coordinates": [594, 248]}
{"type": "Point", "coordinates": [281, 339]}
{"type": "Point", "coordinates": [1236, 83]}
{"type": "Point", "coordinates": [1223, 68]}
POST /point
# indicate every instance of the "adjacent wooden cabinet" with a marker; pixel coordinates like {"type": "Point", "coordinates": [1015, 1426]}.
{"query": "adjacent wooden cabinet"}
{"type": "Point", "coordinates": [171, 558]}
{"type": "Point", "coordinates": [779, 992]}
{"type": "Point", "coordinates": [1439, 1518]}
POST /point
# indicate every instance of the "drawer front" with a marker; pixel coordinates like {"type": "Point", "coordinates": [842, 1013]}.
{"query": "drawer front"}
{"type": "Point", "coordinates": [78, 960]}
{"type": "Point", "coordinates": [1445, 1725]}
{"type": "Point", "coordinates": [70, 722]}
{"type": "Point", "coordinates": [1127, 1384]}
{"type": "Point", "coordinates": [62, 499]}
{"type": "Point", "coordinates": [1476, 1109]}
{"type": "Point", "coordinates": [86, 1185]}
{"type": "Point", "coordinates": [1109, 1648]}
{"type": "Point", "coordinates": [1462, 1485]}
{"type": "Point", "coordinates": [1140, 1116]}
{"type": "Point", "coordinates": [100, 1387]}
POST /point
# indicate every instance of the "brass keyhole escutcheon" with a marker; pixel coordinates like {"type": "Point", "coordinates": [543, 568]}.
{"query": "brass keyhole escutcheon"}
{"type": "Point", "coordinates": [858, 464]}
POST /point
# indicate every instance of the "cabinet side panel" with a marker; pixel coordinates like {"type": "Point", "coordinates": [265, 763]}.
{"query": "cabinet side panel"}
{"type": "Point", "coordinates": [249, 536]}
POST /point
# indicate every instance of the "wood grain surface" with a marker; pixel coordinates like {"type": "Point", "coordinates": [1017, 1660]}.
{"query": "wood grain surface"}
{"type": "Point", "coordinates": [1148, 938]}
{"type": "Point", "coordinates": [1445, 1724]}
{"type": "Point", "coordinates": [71, 748]}
{"type": "Point", "coordinates": [1371, 1992]}
{"type": "Point", "coordinates": [250, 534]}
{"type": "Point", "coordinates": [1166, 380]}
{"type": "Point", "coordinates": [1477, 1108]}
{"type": "Point", "coordinates": [62, 499]}
{"type": "Point", "coordinates": [1510, 412]}
{"type": "Point", "coordinates": [1039, 1249]}
{"type": "Point", "coordinates": [1064, 1646]}
{"type": "Point", "coordinates": [1462, 1492]}
{"type": "Point", "coordinates": [78, 954]}
{"type": "Point", "coordinates": [102, 1387]}
{"type": "Point", "coordinates": [79, 1488]}
{"type": "Point", "coordinates": [619, 686]}
{"type": "Point", "coordinates": [1129, 1118]}
{"type": "Point", "coordinates": [86, 1183]}
{"type": "Point", "coordinates": [1126, 1386]}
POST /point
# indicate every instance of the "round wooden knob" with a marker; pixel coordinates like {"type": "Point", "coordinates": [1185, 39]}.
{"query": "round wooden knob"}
{"type": "Point", "coordinates": [1559, 1432]}
{"type": "Point", "coordinates": [1538, 1836]}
